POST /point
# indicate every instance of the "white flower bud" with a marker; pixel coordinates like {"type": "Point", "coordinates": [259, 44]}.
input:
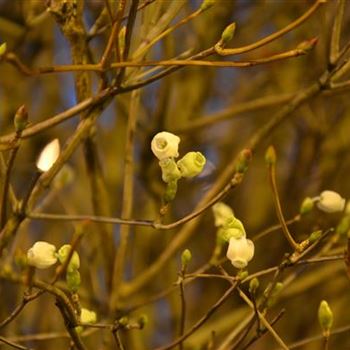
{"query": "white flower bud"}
{"type": "Point", "coordinates": [240, 252]}
{"type": "Point", "coordinates": [165, 145]}
{"type": "Point", "coordinates": [330, 202]}
{"type": "Point", "coordinates": [222, 212]}
{"type": "Point", "coordinates": [48, 156]}
{"type": "Point", "coordinates": [42, 255]}
{"type": "Point", "coordinates": [88, 316]}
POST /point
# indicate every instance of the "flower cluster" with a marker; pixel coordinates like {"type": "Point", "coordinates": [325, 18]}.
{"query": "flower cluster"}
{"type": "Point", "coordinates": [165, 146]}
{"type": "Point", "coordinates": [240, 249]}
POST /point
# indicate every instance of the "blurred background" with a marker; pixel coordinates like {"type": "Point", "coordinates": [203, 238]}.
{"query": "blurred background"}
{"type": "Point", "coordinates": [202, 106]}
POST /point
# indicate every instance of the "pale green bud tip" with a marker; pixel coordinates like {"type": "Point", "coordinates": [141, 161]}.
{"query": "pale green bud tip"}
{"type": "Point", "coordinates": [191, 164]}
{"type": "Point", "coordinates": [306, 206]}
{"type": "Point", "coordinates": [243, 160]}
{"type": "Point", "coordinates": [253, 285]}
{"type": "Point", "coordinates": [207, 4]}
{"type": "Point", "coordinates": [62, 255]}
{"type": "Point", "coordinates": [186, 257]}
{"type": "Point", "coordinates": [228, 33]}
{"type": "Point", "coordinates": [3, 48]}
{"type": "Point", "coordinates": [21, 118]}
{"type": "Point", "coordinates": [315, 236]}
{"type": "Point", "coordinates": [270, 156]}
{"type": "Point", "coordinates": [325, 316]}
{"type": "Point", "coordinates": [343, 226]}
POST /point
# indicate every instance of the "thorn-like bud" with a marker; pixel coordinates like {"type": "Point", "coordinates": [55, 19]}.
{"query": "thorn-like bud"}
{"type": "Point", "coordinates": [243, 160]}
{"type": "Point", "coordinates": [207, 4]}
{"type": "Point", "coordinates": [306, 206]}
{"type": "Point", "coordinates": [325, 317]}
{"type": "Point", "coordinates": [228, 34]}
{"type": "Point", "coordinates": [307, 45]}
{"type": "Point", "coordinates": [186, 257]}
{"type": "Point", "coordinates": [253, 285]}
{"type": "Point", "coordinates": [270, 156]}
{"type": "Point", "coordinates": [21, 119]}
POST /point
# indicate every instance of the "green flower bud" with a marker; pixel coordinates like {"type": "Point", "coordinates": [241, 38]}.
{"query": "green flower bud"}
{"type": "Point", "coordinates": [270, 156]}
{"type": "Point", "coordinates": [222, 213]}
{"type": "Point", "coordinates": [228, 34]}
{"type": "Point", "coordinates": [21, 118]}
{"type": "Point", "coordinates": [242, 274]}
{"type": "Point", "coordinates": [306, 206]}
{"type": "Point", "coordinates": [314, 236]}
{"type": "Point", "coordinates": [62, 255]}
{"type": "Point", "coordinates": [207, 4]}
{"type": "Point", "coordinates": [233, 228]}
{"type": "Point", "coordinates": [170, 171]}
{"type": "Point", "coordinates": [275, 294]}
{"type": "Point", "coordinates": [186, 257]}
{"type": "Point", "coordinates": [253, 285]}
{"type": "Point", "coordinates": [191, 164]}
{"type": "Point", "coordinates": [73, 280]}
{"type": "Point", "coordinates": [3, 48]}
{"type": "Point", "coordinates": [88, 316]}
{"type": "Point", "coordinates": [343, 226]}
{"type": "Point", "coordinates": [325, 317]}
{"type": "Point", "coordinates": [170, 191]}
{"type": "Point", "coordinates": [243, 160]}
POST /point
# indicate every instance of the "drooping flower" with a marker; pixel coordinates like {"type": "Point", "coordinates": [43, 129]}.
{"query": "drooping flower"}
{"type": "Point", "coordinates": [191, 164]}
{"type": "Point", "coordinates": [240, 251]}
{"type": "Point", "coordinates": [48, 155]}
{"type": "Point", "coordinates": [330, 202]}
{"type": "Point", "coordinates": [165, 145]}
{"type": "Point", "coordinates": [88, 316]}
{"type": "Point", "coordinates": [42, 255]}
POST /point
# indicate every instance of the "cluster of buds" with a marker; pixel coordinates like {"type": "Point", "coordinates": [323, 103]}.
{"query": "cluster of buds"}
{"type": "Point", "coordinates": [327, 201]}
{"type": "Point", "coordinates": [165, 146]}
{"type": "Point", "coordinates": [240, 249]}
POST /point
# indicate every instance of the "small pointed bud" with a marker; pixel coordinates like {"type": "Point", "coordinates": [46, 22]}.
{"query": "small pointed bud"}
{"type": "Point", "coordinates": [186, 257]}
{"type": "Point", "coordinates": [63, 254]}
{"type": "Point", "coordinates": [142, 321]}
{"type": "Point", "coordinates": [330, 202]}
{"type": "Point", "coordinates": [48, 156]}
{"type": "Point", "coordinates": [3, 49]}
{"type": "Point", "coordinates": [222, 213]}
{"type": "Point", "coordinates": [21, 118]}
{"type": "Point", "coordinates": [191, 164]}
{"type": "Point", "coordinates": [88, 316]}
{"type": "Point", "coordinates": [344, 226]}
{"type": "Point", "coordinates": [306, 206]}
{"type": "Point", "coordinates": [73, 280]}
{"type": "Point", "coordinates": [170, 170]}
{"type": "Point", "coordinates": [307, 45]}
{"type": "Point", "coordinates": [165, 145]}
{"type": "Point", "coordinates": [315, 236]}
{"type": "Point", "coordinates": [270, 156]}
{"type": "Point", "coordinates": [228, 33]}
{"type": "Point", "coordinates": [253, 285]}
{"type": "Point", "coordinates": [42, 255]}
{"type": "Point", "coordinates": [243, 160]}
{"type": "Point", "coordinates": [207, 4]}
{"type": "Point", "coordinates": [170, 191]}
{"type": "Point", "coordinates": [325, 317]}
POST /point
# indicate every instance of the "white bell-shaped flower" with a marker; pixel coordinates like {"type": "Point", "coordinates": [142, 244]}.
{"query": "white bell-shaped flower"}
{"type": "Point", "coordinates": [87, 316]}
{"type": "Point", "coordinates": [165, 145]}
{"type": "Point", "coordinates": [240, 251]}
{"type": "Point", "coordinates": [48, 155]}
{"type": "Point", "coordinates": [330, 202]}
{"type": "Point", "coordinates": [42, 255]}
